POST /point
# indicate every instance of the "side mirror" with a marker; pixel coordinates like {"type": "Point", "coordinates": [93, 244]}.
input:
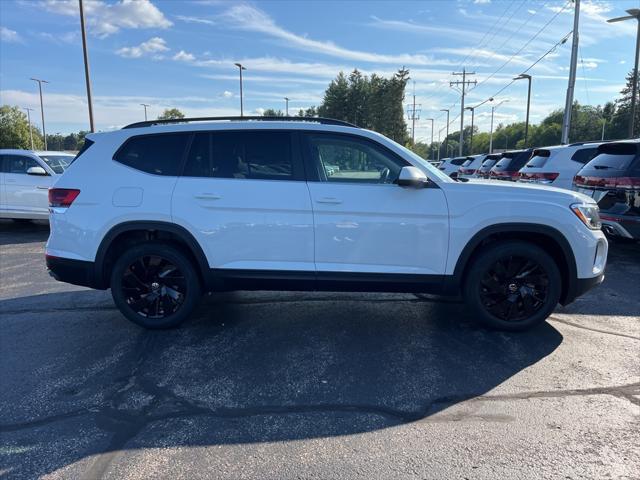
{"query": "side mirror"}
{"type": "Point", "coordinates": [37, 171]}
{"type": "Point", "coordinates": [412, 177]}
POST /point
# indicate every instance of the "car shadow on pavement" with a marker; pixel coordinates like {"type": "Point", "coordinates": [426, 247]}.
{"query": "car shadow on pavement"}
{"type": "Point", "coordinates": [23, 232]}
{"type": "Point", "coordinates": [82, 384]}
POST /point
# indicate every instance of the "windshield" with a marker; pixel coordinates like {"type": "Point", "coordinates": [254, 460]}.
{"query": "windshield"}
{"type": "Point", "coordinates": [426, 165]}
{"type": "Point", "coordinates": [538, 161]}
{"type": "Point", "coordinates": [468, 162]}
{"type": "Point", "coordinates": [57, 163]}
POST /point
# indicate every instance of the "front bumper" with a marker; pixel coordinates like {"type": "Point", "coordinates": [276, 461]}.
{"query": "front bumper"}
{"type": "Point", "coordinates": [76, 272]}
{"type": "Point", "coordinates": [582, 286]}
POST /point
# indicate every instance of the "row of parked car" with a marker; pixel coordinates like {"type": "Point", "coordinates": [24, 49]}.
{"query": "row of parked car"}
{"type": "Point", "coordinates": [608, 172]}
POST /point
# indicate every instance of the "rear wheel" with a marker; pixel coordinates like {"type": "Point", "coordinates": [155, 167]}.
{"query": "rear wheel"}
{"type": "Point", "coordinates": [155, 285]}
{"type": "Point", "coordinates": [512, 285]}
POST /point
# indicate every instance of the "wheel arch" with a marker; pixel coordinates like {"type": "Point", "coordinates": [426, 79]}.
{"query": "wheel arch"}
{"type": "Point", "coordinates": [128, 233]}
{"type": "Point", "coordinates": [548, 238]}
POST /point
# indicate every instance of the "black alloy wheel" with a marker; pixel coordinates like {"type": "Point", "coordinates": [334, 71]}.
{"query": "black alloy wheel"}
{"type": "Point", "coordinates": [514, 288]}
{"type": "Point", "coordinates": [153, 287]}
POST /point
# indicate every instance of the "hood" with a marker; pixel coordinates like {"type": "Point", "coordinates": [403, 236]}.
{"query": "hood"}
{"type": "Point", "coordinates": [518, 190]}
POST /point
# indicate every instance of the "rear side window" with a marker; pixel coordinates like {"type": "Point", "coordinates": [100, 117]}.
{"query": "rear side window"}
{"type": "Point", "coordinates": [584, 155]}
{"type": "Point", "coordinates": [159, 154]}
{"type": "Point", "coordinates": [467, 162]}
{"type": "Point", "coordinates": [458, 161]}
{"type": "Point", "coordinates": [263, 155]}
{"type": "Point", "coordinates": [488, 163]}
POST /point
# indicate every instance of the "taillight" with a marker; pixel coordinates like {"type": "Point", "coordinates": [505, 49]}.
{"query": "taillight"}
{"type": "Point", "coordinates": [541, 177]}
{"type": "Point", "coordinates": [608, 182]}
{"type": "Point", "coordinates": [628, 182]}
{"type": "Point", "coordinates": [62, 197]}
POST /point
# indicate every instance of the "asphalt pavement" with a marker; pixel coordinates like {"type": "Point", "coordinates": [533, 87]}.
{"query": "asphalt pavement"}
{"type": "Point", "coordinates": [313, 385]}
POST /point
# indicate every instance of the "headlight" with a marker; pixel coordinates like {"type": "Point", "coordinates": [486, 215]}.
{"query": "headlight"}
{"type": "Point", "coordinates": [588, 213]}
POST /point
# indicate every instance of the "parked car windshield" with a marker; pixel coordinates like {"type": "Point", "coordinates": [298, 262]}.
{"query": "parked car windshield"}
{"type": "Point", "coordinates": [57, 163]}
{"type": "Point", "coordinates": [609, 160]}
{"type": "Point", "coordinates": [468, 162]}
{"type": "Point", "coordinates": [539, 159]}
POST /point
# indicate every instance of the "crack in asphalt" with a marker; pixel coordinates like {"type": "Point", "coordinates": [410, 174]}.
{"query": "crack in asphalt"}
{"type": "Point", "coordinates": [592, 329]}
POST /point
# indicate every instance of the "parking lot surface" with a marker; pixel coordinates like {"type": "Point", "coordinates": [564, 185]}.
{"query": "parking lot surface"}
{"type": "Point", "coordinates": [313, 385]}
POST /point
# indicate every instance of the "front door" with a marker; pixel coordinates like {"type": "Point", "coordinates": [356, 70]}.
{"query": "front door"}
{"type": "Point", "coordinates": [364, 222]}
{"type": "Point", "coordinates": [243, 193]}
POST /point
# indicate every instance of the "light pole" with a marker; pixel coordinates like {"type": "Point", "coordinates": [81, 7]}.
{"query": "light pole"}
{"type": "Point", "coordinates": [471, 136]}
{"type": "Point", "coordinates": [44, 132]}
{"type": "Point", "coordinates": [145, 105]}
{"type": "Point", "coordinates": [493, 109]}
{"type": "Point", "coordinates": [241, 68]}
{"type": "Point", "coordinates": [523, 76]}
{"type": "Point", "coordinates": [446, 139]}
{"type": "Point", "coordinates": [29, 120]}
{"type": "Point", "coordinates": [633, 13]}
{"type": "Point", "coordinates": [568, 105]}
{"type": "Point", "coordinates": [431, 146]}
{"type": "Point", "coordinates": [86, 67]}
{"type": "Point", "coordinates": [286, 105]}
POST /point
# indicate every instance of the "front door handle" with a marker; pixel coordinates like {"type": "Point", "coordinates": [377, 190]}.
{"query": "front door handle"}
{"type": "Point", "coordinates": [330, 200]}
{"type": "Point", "coordinates": [208, 196]}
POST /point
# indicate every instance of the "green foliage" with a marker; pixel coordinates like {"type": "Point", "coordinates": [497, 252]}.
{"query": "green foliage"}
{"type": "Point", "coordinates": [270, 112]}
{"type": "Point", "coordinates": [14, 130]}
{"type": "Point", "coordinates": [171, 114]}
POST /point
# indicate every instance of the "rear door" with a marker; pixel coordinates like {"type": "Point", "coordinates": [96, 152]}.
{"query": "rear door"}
{"type": "Point", "coordinates": [243, 193]}
{"type": "Point", "coordinates": [364, 222]}
{"type": "Point", "coordinates": [24, 193]}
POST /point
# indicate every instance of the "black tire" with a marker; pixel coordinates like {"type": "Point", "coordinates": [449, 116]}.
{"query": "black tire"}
{"type": "Point", "coordinates": [155, 285]}
{"type": "Point", "coordinates": [512, 285]}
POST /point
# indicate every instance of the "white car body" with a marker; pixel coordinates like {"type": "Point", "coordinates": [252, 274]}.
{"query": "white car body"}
{"type": "Point", "coordinates": [450, 166]}
{"type": "Point", "coordinates": [23, 195]}
{"type": "Point", "coordinates": [469, 169]}
{"type": "Point", "coordinates": [557, 165]}
{"type": "Point", "coordinates": [332, 231]}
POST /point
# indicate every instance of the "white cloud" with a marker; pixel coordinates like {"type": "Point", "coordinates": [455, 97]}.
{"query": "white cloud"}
{"type": "Point", "coordinates": [412, 27]}
{"type": "Point", "coordinates": [188, 19]}
{"type": "Point", "coordinates": [152, 46]}
{"type": "Point", "coordinates": [259, 111]}
{"type": "Point", "coordinates": [10, 36]}
{"type": "Point", "coordinates": [227, 94]}
{"type": "Point", "coordinates": [104, 19]}
{"type": "Point", "coordinates": [249, 18]}
{"type": "Point", "coordinates": [184, 56]}
{"type": "Point", "coordinates": [481, 1]}
{"type": "Point", "coordinates": [62, 38]}
{"type": "Point", "coordinates": [622, 62]}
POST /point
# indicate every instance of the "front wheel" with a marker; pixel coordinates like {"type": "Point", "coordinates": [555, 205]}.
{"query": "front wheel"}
{"type": "Point", "coordinates": [512, 285]}
{"type": "Point", "coordinates": [155, 285]}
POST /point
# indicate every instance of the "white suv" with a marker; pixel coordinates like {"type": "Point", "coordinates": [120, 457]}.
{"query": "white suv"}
{"type": "Point", "coordinates": [162, 212]}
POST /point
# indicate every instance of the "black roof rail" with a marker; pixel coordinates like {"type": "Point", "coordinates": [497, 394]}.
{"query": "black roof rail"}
{"type": "Point", "coordinates": [322, 120]}
{"type": "Point", "coordinates": [577, 144]}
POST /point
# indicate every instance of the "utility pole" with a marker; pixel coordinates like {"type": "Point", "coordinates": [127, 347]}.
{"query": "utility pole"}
{"type": "Point", "coordinates": [239, 65]}
{"type": "Point", "coordinates": [86, 67]}
{"type": "Point", "coordinates": [431, 144]}
{"type": "Point", "coordinates": [633, 13]}
{"type": "Point", "coordinates": [439, 144]}
{"type": "Point", "coordinates": [414, 115]}
{"type": "Point", "coordinates": [568, 105]}
{"type": "Point", "coordinates": [145, 110]}
{"type": "Point", "coordinates": [44, 132]}
{"type": "Point", "coordinates": [446, 139]}
{"type": "Point", "coordinates": [462, 83]}
{"type": "Point", "coordinates": [524, 76]}
{"type": "Point", "coordinates": [473, 109]}
{"type": "Point", "coordinates": [286, 99]}
{"type": "Point", "coordinates": [493, 109]}
{"type": "Point", "coordinates": [29, 120]}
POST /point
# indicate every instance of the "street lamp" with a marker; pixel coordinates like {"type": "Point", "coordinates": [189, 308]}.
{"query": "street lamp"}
{"type": "Point", "coordinates": [431, 146]}
{"type": "Point", "coordinates": [145, 110]}
{"type": "Point", "coordinates": [44, 132]}
{"type": "Point", "coordinates": [493, 109]}
{"type": "Point", "coordinates": [29, 120]}
{"type": "Point", "coordinates": [286, 99]}
{"type": "Point", "coordinates": [241, 68]}
{"type": "Point", "coordinates": [86, 67]}
{"type": "Point", "coordinates": [633, 13]}
{"type": "Point", "coordinates": [446, 139]}
{"type": "Point", "coordinates": [524, 76]}
{"type": "Point", "coordinates": [471, 136]}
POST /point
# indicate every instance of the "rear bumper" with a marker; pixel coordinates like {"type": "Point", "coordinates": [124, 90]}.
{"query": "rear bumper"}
{"type": "Point", "coordinates": [625, 226]}
{"type": "Point", "coordinates": [76, 272]}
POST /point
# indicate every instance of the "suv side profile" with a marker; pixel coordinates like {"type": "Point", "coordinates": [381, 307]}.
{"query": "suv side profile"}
{"type": "Point", "coordinates": [161, 212]}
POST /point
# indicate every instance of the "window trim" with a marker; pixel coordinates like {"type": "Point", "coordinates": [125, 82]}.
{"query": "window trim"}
{"type": "Point", "coordinates": [298, 170]}
{"type": "Point", "coordinates": [312, 169]}
{"type": "Point", "coordinates": [189, 135]}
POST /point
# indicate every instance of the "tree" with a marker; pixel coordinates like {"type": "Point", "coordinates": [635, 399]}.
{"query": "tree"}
{"type": "Point", "coordinates": [171, 114]}
{"type": "Point", "coordinates": [14, 130]}
{"type": "Point", "coordinates": [270, 112]}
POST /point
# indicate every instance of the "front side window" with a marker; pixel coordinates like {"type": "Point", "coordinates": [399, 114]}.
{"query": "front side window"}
{"type": "Point", "coordinates": [159, 154]}
{"type": "Point", "coordinates": [18, 164]}
{"type": "Point", "coordinates": [343, 158]}
{"type": "Point", "coordinates": [257, 155]}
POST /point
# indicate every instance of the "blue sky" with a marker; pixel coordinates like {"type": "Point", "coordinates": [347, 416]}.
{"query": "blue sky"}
{"type": "Point", "coordinates": [171, 53]}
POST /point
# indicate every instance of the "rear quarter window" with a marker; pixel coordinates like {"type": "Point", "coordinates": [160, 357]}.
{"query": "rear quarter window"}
{"type": "Point", "coordinates": [584, 155]}
{"type": "Point", "coordinates": [158, 154]}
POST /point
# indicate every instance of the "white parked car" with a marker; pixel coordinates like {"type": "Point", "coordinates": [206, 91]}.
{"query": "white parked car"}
{"type": "Point", "coordinates": [25, 177]}
{"type": "Point", "coordinates": [162, 212]}
{"type": "Point", "coordinates": [557, 165]}
{"type": "Point", "coordinates": [450, 165]}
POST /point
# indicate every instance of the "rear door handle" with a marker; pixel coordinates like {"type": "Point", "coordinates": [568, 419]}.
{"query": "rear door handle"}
{"type": "Point", "coordinates": [330, 200]}
{"type": "Point", "coordinates": [208, 196]}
